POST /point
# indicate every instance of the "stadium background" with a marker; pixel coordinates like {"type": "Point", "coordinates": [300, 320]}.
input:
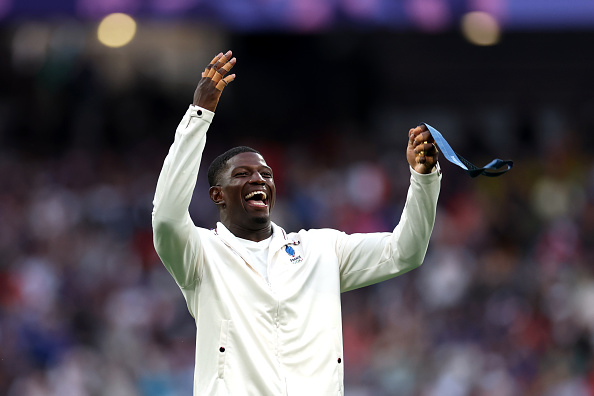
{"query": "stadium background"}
{"type": "Point", "coordinates": [327, 90]}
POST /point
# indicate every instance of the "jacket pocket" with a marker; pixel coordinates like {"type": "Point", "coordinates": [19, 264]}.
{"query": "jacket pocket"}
{"type": "Point", "coordinates": [339, 360]}
{"type": "Point", "coordinates": [223, 347]}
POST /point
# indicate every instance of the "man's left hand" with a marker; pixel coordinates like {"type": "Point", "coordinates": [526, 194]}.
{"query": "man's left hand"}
{"type": "Point", "coordinates": [422, 152]}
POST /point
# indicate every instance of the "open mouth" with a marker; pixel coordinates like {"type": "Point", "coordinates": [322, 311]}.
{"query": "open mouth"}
{"type": "Point", "coordinates": [257, 198]}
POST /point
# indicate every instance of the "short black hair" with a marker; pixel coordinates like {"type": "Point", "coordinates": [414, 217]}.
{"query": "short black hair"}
{"type": "Point", "coordinates": [219, 163]}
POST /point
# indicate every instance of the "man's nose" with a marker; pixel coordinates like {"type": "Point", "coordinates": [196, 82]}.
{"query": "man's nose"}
{"type": "Point", "coordinates": [257, 178]}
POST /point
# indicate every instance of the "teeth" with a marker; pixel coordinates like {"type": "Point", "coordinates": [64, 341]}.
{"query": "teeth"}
{"type": "Point", "coordinates": [250, 195]}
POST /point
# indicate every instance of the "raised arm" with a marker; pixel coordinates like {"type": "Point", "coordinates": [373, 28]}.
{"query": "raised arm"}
{"type": "Point", "coordinates": [366, 259]}
{"type": "Point", "coordinates": [174, 235]}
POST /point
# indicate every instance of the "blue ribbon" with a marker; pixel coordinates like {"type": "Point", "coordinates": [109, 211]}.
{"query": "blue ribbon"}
{"type": "Point", "coordinates": [492, 169]}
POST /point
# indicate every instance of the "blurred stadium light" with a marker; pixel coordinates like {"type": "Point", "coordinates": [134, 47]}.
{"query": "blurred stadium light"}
{"type": "Point", "coordinates": [480, 28]}
{"type": "Point", "coordinates": [116, 30]}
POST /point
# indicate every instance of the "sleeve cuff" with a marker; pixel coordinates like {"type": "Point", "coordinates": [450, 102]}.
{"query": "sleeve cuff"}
{"type": "Point", "coordinates": [427, 177]}
{"type": "Point", "coordinates": [201, 113]}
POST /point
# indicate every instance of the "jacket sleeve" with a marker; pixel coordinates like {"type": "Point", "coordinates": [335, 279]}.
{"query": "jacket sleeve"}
{"type": "Point", "coordinates": [175, 237]}
{"type": "Point", "coordinates": [366, 259]}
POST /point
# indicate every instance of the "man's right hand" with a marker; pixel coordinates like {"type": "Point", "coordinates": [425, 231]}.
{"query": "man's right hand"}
{"type": "Point", "coordinates": [209, 89]}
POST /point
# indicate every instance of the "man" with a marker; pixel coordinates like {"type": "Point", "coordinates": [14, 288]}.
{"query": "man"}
{"type": "Point", "coordinates": [267, 303]}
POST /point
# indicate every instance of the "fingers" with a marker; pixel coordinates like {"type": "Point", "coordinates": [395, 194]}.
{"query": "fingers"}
{"type": "Point", "coordinates": [220, 73]}
{"type": "Point", "coordinates": [214, 64]}
{"type": "Point", "coordinates": [426, 148]}
{"type": "Point", "coordinates": [420, 134]}
{"type": "Point", "coordinates": [211, 64]}
{"type": "Point", "coordinates": [222, 60]}
{"type": "Point", "coordinates": [223, 83]}
{"type": "Point", "coordinates": [214, 80]}
{"type": "Point", "coordinates": [218, 68]}
{"type": "Point", "coordinates": [423, 145]}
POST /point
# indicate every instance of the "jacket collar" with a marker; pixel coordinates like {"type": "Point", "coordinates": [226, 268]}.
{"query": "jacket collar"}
{"type": "Point", "coordinates": [279, 238]}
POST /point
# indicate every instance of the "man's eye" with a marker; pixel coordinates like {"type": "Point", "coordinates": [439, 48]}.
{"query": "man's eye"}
{"type": "Point", "coordinates": [241, 174]}
{"type": "Point", "coordinates": [267, 174]}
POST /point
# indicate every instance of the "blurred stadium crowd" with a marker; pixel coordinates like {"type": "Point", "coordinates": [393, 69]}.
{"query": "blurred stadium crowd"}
{"type": "Point", "coordinates": [502, 306]}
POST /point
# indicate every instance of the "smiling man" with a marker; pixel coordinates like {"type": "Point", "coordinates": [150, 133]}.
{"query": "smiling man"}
{"type": "Point", "coordinates": [243, 187]}
{"type": "Point", "coordinates": [266, 303]}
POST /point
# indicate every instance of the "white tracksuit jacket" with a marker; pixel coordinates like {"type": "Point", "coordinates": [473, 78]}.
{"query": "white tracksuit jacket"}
{"type": "Point", "coordinates": [283, 337]}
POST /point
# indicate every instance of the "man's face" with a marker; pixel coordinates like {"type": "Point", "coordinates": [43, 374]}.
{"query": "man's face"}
{"type": "Point", "coordinates": [247, 190]}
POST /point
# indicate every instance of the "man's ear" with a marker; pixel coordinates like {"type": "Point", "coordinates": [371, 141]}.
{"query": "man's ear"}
{"type": "Point", "coordinates": [216, 195]}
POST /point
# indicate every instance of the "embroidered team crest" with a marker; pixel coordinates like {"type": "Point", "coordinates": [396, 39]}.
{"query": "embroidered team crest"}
{"type": "Point", "coordinates": [291, 252]}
